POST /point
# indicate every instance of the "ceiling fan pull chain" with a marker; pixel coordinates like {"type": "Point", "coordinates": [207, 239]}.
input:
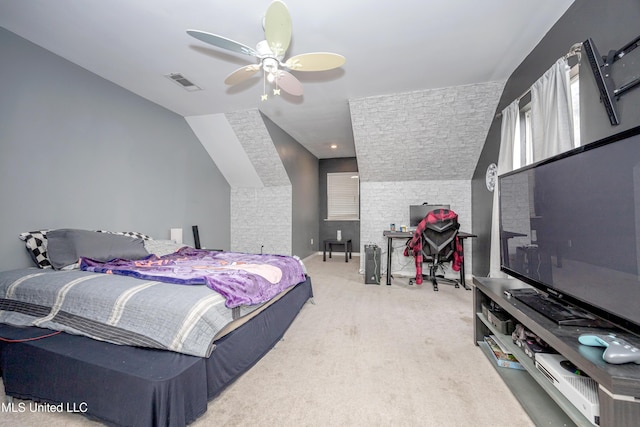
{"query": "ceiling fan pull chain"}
{"type": "Point", "coordinates": [276, 91]}
{"type": "Point", "coordinates": [264, 85]}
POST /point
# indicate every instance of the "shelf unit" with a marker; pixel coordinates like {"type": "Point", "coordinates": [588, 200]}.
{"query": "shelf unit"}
{"type": "Point", "coordinates": [539, 398]}
{"type": "Point", "coordinates": [618, 384]}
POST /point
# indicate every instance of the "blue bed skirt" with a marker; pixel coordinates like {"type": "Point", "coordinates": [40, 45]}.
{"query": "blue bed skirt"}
{"type": "Point", "coordinates": [122, 385]}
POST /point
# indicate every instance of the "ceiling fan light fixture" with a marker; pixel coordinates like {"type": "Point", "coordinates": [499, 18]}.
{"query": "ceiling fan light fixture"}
{"type": "Point", "coordinates": [270, 65]}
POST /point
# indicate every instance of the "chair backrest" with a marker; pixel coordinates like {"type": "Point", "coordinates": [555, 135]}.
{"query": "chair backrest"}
{"type": "Point", "coordinates": [439, 234]}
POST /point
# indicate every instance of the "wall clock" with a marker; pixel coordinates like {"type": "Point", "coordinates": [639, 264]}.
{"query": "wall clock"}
{"type": "Point", "coordinates": [491, 176]}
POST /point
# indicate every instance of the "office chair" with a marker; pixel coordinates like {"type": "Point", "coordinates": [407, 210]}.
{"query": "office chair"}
{"type": "Point", "coordinates": [436, 242]}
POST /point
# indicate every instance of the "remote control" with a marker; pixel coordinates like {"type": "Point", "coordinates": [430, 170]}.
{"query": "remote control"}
{"type": "Point", "coordinates": [617, 350]}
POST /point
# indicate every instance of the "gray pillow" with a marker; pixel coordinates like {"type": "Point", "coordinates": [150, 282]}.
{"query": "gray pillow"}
{"type": "Point", "coordinates": [66, 245]}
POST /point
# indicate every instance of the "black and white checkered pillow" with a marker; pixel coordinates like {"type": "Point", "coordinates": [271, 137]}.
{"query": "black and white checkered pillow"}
{"type": "Point", "coordinates": [36, 243]}
{"type": "Point", "coordinates": [133, 234]}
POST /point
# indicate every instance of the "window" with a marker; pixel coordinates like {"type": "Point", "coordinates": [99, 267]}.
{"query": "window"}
{"type": "Point", "coordinates": [574, 84]}
{"type": "Point", "coordinates": [523, 150]}
{"type": "Point", "coordinates": [343, 196]}
{"type": "Point", "coordinates": [523, 145]}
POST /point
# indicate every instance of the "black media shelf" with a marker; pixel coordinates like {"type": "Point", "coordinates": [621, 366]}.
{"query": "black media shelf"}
{"type": "Point", "coordinates": [619, 385]}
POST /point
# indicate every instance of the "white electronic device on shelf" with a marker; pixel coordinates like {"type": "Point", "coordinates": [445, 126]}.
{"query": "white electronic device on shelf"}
{"type": "Point", "coordinates": [579, 389]}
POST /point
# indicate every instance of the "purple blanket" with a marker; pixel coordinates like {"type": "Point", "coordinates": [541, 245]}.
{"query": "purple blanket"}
{"type": "Point", "coordinates": [243, 279]}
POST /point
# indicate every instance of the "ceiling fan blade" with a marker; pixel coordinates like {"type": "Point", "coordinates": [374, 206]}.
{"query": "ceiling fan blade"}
{"type": "Point", "coordinates": [241, 74]}
{"type": "Point", "coordinates": [287, 82]}
{"type": "Point", "coordinates": [222, 42]}
{"type": "Point", "coordinates": [277, 28]}
{"type": "Point", "coordinates": [317, 61]}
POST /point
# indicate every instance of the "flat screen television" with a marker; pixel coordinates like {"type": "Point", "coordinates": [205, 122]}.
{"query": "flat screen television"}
{"type": "Point", "coordinates": [570, 226]}
{"type": "Point", "coordinates": [418, 212]}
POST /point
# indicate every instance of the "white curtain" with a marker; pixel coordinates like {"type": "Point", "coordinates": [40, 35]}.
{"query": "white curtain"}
{"type": "Point", "coordinates": [510, 135]}
{"type": "Point", "coordinates": [551, 113]}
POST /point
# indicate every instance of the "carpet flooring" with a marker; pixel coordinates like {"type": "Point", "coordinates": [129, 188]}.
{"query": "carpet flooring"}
{"type": "Point", "coordinates": [360, 355]}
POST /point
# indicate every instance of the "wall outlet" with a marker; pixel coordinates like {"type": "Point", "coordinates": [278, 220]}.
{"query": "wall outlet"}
{"type": "Point", "coordinates": [312, 240]}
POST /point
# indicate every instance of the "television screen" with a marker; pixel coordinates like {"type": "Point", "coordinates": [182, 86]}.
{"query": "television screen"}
{"type": "Point", "coordinates": [418, 212]}
{"type": "Point", "coordinates": [570, 225]}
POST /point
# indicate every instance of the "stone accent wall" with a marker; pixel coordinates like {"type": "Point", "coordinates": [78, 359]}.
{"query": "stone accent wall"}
{"type": "Point", "coordinates": [434, 134]}
{"type": "Point", "coordinates": [419, 147]}
{"type": "Point", "coordinates": [384, 203]}
{"type": "Point", "coordinates": [261, 217]}
{"type": "Point", "coordinates": [261, 220]}
{"type": "Point", "coordinates": [252, 133]}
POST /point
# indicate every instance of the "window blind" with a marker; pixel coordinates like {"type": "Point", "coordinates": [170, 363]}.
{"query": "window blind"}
{"type": "Point", "coordinates": [343, 196]}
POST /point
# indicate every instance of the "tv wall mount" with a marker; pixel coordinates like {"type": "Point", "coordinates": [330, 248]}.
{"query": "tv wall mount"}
{"type": "Point", "coordinates": [601, 67]}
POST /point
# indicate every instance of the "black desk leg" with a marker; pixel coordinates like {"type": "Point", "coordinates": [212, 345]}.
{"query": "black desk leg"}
{"type": "Point", "coordinates": [324, 252]}
{"type": "Point", "coordinates": [389, 245]}
{"type": "Point", "coordinates": [346, 252]}
{"type": "Point", "coordinates": [462, 280]}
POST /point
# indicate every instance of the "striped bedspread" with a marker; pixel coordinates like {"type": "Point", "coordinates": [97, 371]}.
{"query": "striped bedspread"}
{"type": "Point", "coordinates": [117, 309]}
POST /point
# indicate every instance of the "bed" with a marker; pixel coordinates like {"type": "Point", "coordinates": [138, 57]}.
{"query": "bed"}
{"type": "Point", "coordinates": [113, 339]}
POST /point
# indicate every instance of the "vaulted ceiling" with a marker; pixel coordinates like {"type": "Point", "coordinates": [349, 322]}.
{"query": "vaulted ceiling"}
{"type": "Point", "coordinates": [393, 47]}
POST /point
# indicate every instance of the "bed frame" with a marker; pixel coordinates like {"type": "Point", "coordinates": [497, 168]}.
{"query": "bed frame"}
{"type": "Point", "coordinates": [122, 385]}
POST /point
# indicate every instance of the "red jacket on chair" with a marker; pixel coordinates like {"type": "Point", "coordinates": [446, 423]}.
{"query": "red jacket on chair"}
{"type": "Point", "coordinates": [415, 244]}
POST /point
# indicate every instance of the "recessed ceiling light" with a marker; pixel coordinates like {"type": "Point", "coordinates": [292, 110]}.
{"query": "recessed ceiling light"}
{"type": "Point", "coordinates": [334, 146]}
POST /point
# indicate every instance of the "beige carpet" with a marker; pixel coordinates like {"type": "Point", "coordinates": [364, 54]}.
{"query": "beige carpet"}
{"type": "Point", "coordinates": [362, 355]}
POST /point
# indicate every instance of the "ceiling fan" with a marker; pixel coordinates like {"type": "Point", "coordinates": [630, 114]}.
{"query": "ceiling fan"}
{"type": "Point", "coordinates": [271, 52]}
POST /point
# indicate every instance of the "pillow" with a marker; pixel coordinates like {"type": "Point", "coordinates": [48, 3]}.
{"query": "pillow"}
{"type": "Point", "coordinates": [66, 245]}
{"type": "Point", "coordinates": [36, 243]}
{"type": "Point", "coordinates": [127, 233]}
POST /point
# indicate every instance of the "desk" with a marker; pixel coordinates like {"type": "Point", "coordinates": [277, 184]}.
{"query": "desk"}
{"type": "Point", "coordinates": [390, 235]}
{"type": "Point", "coordinates": [348, 248]}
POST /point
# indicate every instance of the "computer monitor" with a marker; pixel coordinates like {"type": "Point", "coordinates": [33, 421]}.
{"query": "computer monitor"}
{"type": "Point", "coordinates": [418, 212]}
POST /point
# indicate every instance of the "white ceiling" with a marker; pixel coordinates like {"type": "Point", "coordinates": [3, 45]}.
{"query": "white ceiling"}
{"type": "Point", "coordinates": [400, 46]}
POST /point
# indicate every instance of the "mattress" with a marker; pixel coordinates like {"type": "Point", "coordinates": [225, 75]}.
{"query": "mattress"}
{"type": "Point", "coordinates": [131, 386]}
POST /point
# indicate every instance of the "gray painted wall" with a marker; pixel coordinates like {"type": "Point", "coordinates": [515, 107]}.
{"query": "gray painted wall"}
{"type": "Point", "coordinates": [611, 25]}
{"type": "Point", "coordinates": [79, 151]}
{"type": "Point", "coordinates": [329, 229]}
{"type": "Point", "coordinates": [302, 168]}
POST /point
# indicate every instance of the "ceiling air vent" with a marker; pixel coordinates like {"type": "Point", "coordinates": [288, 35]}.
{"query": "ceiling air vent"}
{"type": "Point", "coordinates": [183, 82]}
